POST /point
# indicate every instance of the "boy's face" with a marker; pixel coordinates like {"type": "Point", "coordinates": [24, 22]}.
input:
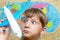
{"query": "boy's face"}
{"type": "Point", "coordinates": [31, 26]}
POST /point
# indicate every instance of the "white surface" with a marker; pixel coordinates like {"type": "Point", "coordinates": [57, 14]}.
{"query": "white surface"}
{"type": "Point", "coordinates": [15, 27]}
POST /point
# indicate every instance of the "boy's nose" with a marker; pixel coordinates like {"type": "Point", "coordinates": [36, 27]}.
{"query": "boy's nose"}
{"type": "Point", "coordinates": [27, 25]}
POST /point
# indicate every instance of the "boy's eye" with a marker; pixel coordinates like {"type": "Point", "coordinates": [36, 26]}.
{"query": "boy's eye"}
{"type": "Point", "coordinates": [33, 22]}
{"type": "Point", "coordinates": [24, 21]}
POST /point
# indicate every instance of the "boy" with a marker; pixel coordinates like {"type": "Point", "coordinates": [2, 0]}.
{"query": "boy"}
{"type": "Point", "coordinates": [33, 24]}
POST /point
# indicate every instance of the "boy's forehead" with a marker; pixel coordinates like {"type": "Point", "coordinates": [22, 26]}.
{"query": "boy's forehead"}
{"type": "Point", "coordinates": [35, 17]}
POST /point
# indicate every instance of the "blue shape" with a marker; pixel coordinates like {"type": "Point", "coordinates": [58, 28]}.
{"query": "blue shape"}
{"type": "Point", "coordinates": [54, 16]}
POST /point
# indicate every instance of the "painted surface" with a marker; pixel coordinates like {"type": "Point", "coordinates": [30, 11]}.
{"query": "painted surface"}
{"type": "Point", "coordinates": [18, 8]}
{"type": "Point", "coordinates": [51, 23]}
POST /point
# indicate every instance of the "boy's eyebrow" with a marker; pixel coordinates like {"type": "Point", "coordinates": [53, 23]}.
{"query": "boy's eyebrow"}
{"type": "Point", "coordinates": [34, 20]}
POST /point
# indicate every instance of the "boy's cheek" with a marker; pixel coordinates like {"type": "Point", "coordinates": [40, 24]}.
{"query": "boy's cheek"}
{"type": "Point", "coordinates": [36, 29]}
{"type": "Point", "coordinates": [22, 27]}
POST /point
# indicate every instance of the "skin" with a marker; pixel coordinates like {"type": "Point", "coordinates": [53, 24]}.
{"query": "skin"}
{"type": "Point", "coordinates": [31, 29]}
{"type": "Point", "coordinates": [4, 35]}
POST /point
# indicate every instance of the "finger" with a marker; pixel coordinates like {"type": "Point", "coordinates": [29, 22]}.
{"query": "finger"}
{"type": "Point", "coordinates": [3, 29]}
{"type": "Point", "coordinates": [0, 30]}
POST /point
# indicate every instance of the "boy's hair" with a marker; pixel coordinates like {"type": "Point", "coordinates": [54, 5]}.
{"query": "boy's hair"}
{"type": "Point", "coordinates": [34, 11]}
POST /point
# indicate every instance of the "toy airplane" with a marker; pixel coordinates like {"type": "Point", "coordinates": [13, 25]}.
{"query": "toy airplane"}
{"type": "Point", "coordinates": [15, 27]}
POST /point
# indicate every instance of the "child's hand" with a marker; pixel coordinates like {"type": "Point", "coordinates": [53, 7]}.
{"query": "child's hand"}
{"type": "Point", "coordinates": [4, 35]}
